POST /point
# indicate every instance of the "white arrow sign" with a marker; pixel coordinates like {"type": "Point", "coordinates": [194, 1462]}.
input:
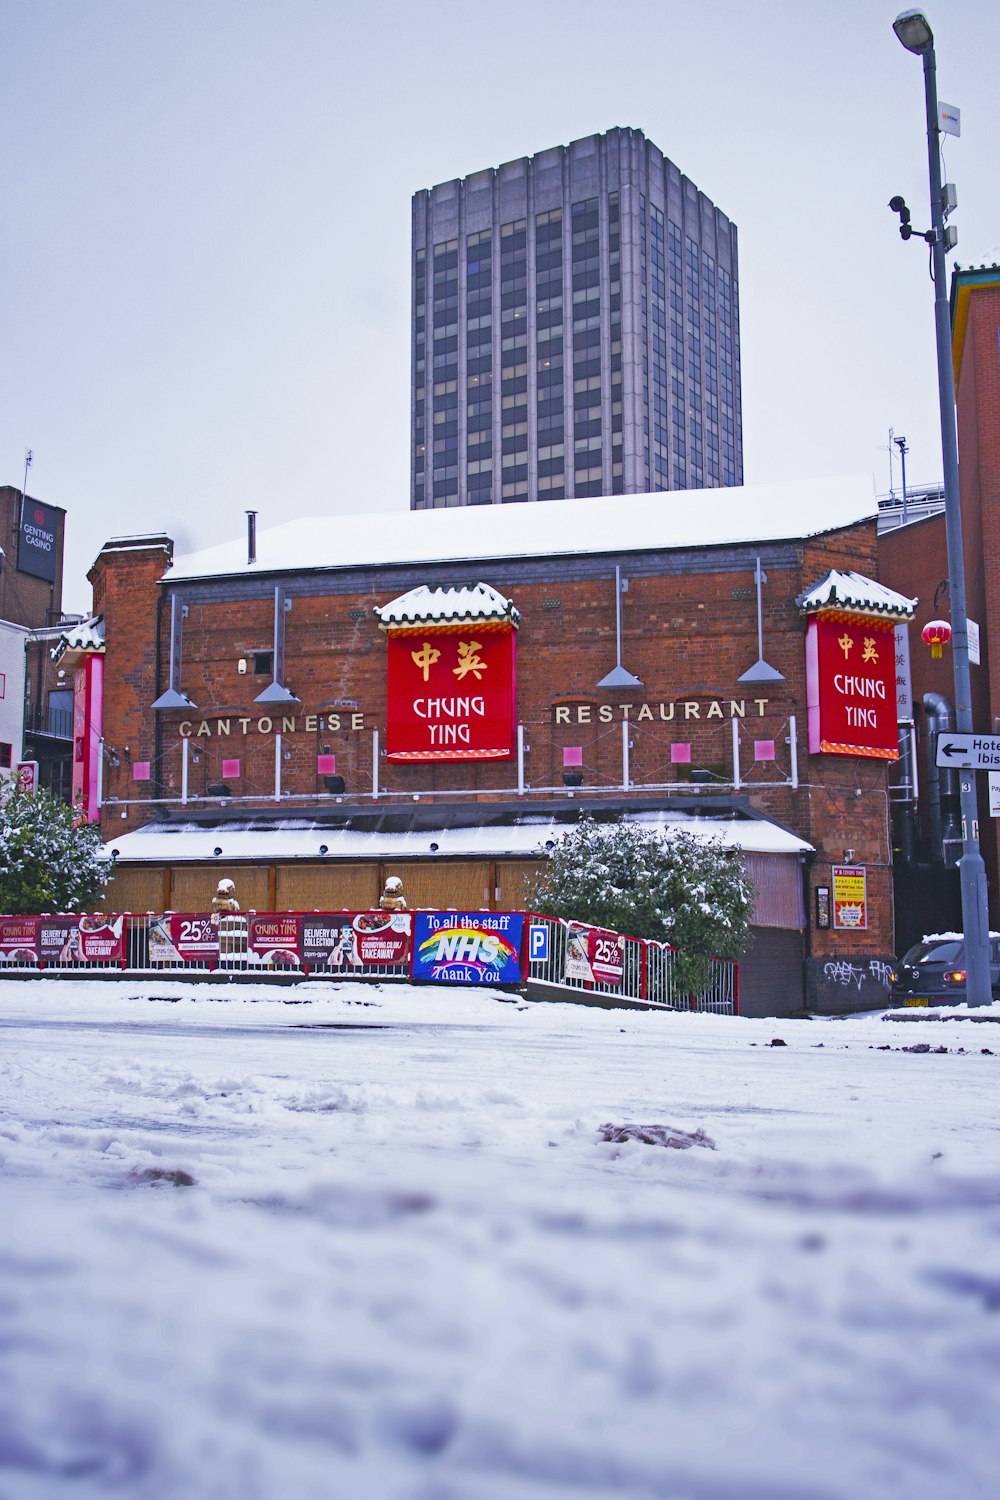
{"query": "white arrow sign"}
{"type": "Point", "coordinates": [969, 752]}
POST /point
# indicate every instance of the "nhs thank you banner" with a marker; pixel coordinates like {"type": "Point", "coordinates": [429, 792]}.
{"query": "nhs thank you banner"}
{"type": "Point", "coordinates": [468, 947]}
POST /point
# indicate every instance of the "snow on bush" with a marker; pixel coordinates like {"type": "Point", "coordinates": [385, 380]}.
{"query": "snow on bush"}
{"type": "Point", "coordinates": [49, 860]}
{"type": "Point", "coordinates": [692, 893]}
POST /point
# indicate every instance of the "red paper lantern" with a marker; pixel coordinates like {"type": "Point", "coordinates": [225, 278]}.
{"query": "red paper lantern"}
{"type": "Point", "coordinates": [936, 634]}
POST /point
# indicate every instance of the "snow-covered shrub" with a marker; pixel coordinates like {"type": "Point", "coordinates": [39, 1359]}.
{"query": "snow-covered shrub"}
{"type": "Point", "coordinates": [692, 893]}
{"type": "Point", "coordinates": [49, 860]}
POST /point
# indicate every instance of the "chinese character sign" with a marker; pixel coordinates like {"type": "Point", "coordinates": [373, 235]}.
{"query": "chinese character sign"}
{"type": "Point", "coordinates": [851, 687]}
{"type": "Point", "coordinates": [850, 903]}
{"type": "Point", "coordinates": [451, 695]}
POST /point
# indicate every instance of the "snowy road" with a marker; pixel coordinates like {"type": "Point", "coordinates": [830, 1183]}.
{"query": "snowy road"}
{"type": "Point", "coordinates": [248, 1257]}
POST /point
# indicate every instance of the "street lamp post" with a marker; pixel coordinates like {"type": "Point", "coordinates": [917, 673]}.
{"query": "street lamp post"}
{"type": "Point", "coordinates": [913, 30]}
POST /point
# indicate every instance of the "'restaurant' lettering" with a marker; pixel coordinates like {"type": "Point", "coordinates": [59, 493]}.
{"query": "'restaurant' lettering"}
{"type": "Point", "coordinates": [683, 708]}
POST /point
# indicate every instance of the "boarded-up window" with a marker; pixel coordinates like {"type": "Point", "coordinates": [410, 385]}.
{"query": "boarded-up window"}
{"type": "Point", "coordinates": [778, 882]}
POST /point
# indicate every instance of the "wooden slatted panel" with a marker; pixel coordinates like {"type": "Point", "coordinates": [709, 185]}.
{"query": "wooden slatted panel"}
{"type": "Point", "coordinates": [513, 879]}
{"type": "Point", "coordinates": [777, 882]}
{"type": "Point", "coordinates": [134, 888]}
{"type": "Point", "coordinates": [193, 888]}
{"type": "Point", "coordinates": [462, 886]}
{"type": "Point", "coordinates": [327, 887]}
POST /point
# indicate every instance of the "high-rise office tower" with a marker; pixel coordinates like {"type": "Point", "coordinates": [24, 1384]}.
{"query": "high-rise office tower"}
{"type": "Point", "coordinates": [575, 330]}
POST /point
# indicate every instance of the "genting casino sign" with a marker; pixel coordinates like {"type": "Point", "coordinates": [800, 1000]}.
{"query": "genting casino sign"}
{"type": "Point", "coordinates": [851, 686]}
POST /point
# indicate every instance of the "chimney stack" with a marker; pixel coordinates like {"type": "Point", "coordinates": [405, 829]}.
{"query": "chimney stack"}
{"type": "Point", "coordinates": [251, 537]}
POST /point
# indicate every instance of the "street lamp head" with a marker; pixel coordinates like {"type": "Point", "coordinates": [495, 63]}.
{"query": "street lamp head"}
{"type": "Point", "coordinates": [914, 31]}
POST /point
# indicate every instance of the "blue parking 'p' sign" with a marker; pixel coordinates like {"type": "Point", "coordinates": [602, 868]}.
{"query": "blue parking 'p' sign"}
{"type": "Point", "coordinates": [538, 944]}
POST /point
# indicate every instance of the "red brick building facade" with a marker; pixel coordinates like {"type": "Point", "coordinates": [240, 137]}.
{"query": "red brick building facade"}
{"type": "Point", "coordinates": [914, 558]}
{"type": "Point", "coordinates": [689, 736]}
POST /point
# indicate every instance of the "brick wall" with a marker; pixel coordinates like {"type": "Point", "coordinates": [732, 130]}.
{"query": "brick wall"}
{"type": "Point", "coordinates": [914, 558]}
{"type": "Point", "coordinates": [689, 629]}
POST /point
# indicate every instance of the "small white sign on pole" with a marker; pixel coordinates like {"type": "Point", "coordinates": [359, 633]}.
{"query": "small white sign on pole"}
{"type": "Point", "coordinates": [994, 781]}
{"type": "Point", "coordinates": [949, 118]}
{"type": "Point", "coordinates": [974, 654]}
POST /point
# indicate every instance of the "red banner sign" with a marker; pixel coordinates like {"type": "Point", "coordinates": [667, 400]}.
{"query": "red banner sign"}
{"type": "Point", "coordinates": [18, 940]}
{"type": "Point", "coordinates": [595, 955]}
{"type": "Point", "coordinates": [273, 939]}
{"type": "Point", "coordinates": [191, 937]}
{"type": "Point", "coordinates": [451, 695]}
{"type": "Point", "coordinates": [343, 942]}
{"type": "Point", "coordinates": [851, 687]}
{"type": "Point", "coordinates": [90, 939]}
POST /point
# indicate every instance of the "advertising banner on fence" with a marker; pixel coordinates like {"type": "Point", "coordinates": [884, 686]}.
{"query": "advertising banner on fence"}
{"type": "Point", "coordinates": [18, 940]}
{"type": "Point", "coordinates": [338, 942]}
{"type": "Point", "coordinates": [273, 939]}
{"type": "Point", "coordinates": [90, 939]}
{"type": "Point", "coordinates": [468, 947]}
{"type": "Point", "coordinates": [595, 956]}
{"type": "Point", "coordinates": [183, 936]}
{"type": "Point", "coordinates": [850, 906]}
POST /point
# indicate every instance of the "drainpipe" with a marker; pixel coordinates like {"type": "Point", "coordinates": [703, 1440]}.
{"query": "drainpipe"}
{"type": "Point", "coordinates": [942, 786]}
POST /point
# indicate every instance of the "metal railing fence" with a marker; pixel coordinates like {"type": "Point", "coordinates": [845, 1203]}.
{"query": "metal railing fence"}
{"type": "Point", "coordinates": [568, 956]}
{"type": "Point", "coordinates": [645, 973]}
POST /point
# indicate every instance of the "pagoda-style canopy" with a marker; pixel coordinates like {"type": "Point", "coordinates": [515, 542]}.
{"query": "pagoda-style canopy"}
{"type": "Point", "coordinates": [426, 608]}
{"type": "Point", "coordinates": [853, 593]}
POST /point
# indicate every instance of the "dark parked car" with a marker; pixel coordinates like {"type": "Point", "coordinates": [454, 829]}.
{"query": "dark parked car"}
{"type": "Point", "coordinates": [933, 972]}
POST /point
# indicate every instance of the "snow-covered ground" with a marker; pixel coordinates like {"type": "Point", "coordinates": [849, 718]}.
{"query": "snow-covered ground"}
{"type": "Point", "coordinates": [244, 1256]}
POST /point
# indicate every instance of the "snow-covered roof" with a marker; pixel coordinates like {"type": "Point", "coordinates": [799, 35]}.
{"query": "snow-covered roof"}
{"type": "Point", "coordinates": [853, 591]}
{"type": "Point", "coordinates": [185, 843]}
{"type": "Point", "coordinates": [85, 635]}
{"type": "Point", "coordinates": [675, 519]}
{"type": "Point", "coordinates": [438, 606]}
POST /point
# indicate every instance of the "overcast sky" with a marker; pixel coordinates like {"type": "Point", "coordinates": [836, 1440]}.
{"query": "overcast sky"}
{"type": "Point", "coordinates": [206, 206]}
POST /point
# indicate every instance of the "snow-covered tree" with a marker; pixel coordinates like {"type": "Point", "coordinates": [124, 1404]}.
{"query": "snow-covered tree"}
{"type": "Point", "coordinates": [692, 893]}
{"type": "Point", "coordinates": [49, 860]}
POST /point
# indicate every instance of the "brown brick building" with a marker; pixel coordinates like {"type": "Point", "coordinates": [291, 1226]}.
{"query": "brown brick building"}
{"type": "Point", "coordinates": [31, 575]}
{"type": "Point", "coordinates": [914, 558]}
{"type": "Point", "coordinates": [269, 756]}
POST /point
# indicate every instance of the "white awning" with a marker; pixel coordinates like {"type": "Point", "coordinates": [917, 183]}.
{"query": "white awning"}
{"type": "Point", "coordinates": [187, 843]}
